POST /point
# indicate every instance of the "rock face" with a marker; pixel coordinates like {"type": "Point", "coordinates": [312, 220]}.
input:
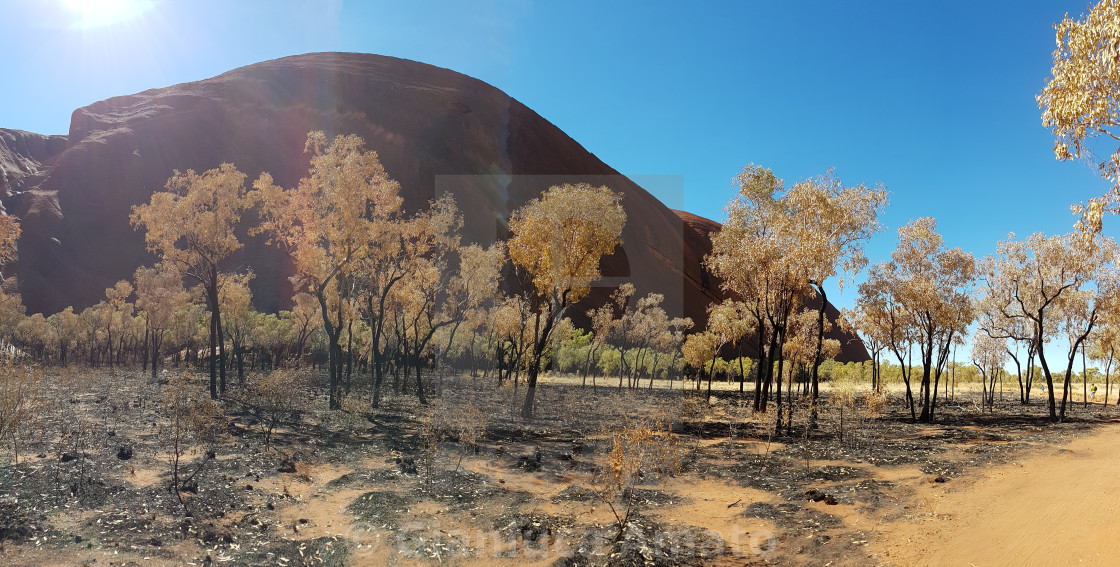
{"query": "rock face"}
{"type": "Point", "coordinates": [435, 130]}
{"type": "Point", "coordinates": [23, 156]}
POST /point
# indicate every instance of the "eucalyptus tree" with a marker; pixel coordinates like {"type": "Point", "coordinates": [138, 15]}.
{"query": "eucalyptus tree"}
{"type": "Point", "coordinates": [996, 318]}
{"type": "Point", "coordinates": [557, 240]}
{"type": "Point", "coordinates": [613, 321]}
{"type": "Point", "coordinates": [237, 303]}
{"type": "Point", "coordinates": [700, 351]}
{"type": "Point", "coordinates": [1054, 284]}
{"type": "Point", "coordinates": [1103, 345]}
{"type": "Point", "coordinates": [473, 289]}
{"type": "Point", "coordinates": [305, 322]}
{"type": "Point", "coordinates": [327, 223]}
{"type": "Point", "coordinates": [750, 256]}
{"type": "Point", "coordinates": [921, 297]}
{"type": "Point", "coordinates": [510, 319]}
{"type": "Point", "coordinates": [433, 296]}
{"type": "Point", "coordinates": [834, 223]}
{"type": "Point", "coordinates": [191, 226]}
{"type": "Point", "coordinates": [113, 316]}
{"type": "Point", "coordinates": [778, 245]}
{"type": "Point", "coordinates": [66, 331]}
{"type": "Point", "coordinates": [989, 355]}
{"type": "Point", "coordinates": [159, 296]}
{"type": "Point", "coordinates": [732, 320]}
{"type": "Point", "coordinates": [869, 323]}
{"type": "Point", "coordinates": [654, 334]}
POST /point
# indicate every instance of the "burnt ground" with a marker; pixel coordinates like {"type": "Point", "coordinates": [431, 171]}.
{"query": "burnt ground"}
{"type": "Point", "coordinates": [406, 484]}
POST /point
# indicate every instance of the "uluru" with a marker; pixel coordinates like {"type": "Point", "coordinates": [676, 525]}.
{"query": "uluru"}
{"type": "Point", "coordinates": [435, 130]}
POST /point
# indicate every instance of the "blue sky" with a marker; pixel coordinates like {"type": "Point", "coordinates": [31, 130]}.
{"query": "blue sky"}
{"type": "Point", "coordinates": [935, 99]}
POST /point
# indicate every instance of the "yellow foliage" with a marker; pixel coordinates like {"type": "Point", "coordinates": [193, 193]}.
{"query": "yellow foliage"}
{"type": "Point", "coordinates": [922, 295]}
{"type": "Point", "coordinates": [776, 241]}
{"type": "Point", "coordinates": [191, 224]}
{"type": "Point", "coordinates": [346, 210]}
{"type": "Point", "coordinates": [1080, 101]}
{"type": "Point", "coordinates": [640, 450]}
{"type": "Point", "coordinates": [560, 237]}
{"type": "Point", "coordinates": [329, 219]}
{"type": "Point", "coordinates": [699, 348]}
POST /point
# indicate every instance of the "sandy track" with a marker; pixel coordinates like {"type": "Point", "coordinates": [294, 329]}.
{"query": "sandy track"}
{"type": "Point", "coordinates": [1057, 506]}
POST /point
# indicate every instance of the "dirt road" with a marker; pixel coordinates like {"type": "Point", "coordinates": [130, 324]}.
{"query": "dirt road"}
{"type": "Point", "coordinates": [1057, 506]}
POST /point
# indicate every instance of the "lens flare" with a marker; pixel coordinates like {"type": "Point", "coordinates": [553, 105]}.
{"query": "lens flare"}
{"type": "Point", "coordinates": [89, 14]}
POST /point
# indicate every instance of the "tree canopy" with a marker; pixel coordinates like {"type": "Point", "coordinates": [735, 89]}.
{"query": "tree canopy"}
{"type": "Point", "coordinates": [1081, 100]}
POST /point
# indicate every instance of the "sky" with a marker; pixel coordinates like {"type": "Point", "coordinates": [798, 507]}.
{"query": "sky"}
{"type": "Point", "coordinates": [933, 100]}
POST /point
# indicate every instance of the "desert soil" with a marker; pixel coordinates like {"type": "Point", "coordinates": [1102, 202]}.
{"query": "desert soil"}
{"type": "Point", "coordinates": [1056, 506]}
{"type": "Point", "coordinates": [1002, 487]}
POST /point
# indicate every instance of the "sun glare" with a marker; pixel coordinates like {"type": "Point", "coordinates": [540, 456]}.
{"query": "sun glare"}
{"type": "Point", "coordinates": [101, 13]}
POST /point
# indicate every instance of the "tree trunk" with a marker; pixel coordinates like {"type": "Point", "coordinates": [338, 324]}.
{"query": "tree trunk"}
{"type": "Point", "coordinates": [780, 336]}
{"type": "Point", "coordinates": [742, 372]}
{"type": "Point", "coordinates": [1030, 371]}
{"type": "Point", "coordinates": [419, 384]}
{"type": "Point", "coordinates": [333, 350]}
{"type": "Point", "coordinates": [1019, 375]}
{"type": "Point", "coordinates": [349, 355]}
{"type": "Point", "coordinates": [378, 367]}
{"type": "Point", "coordinates": [711, 371]}
{"type": "Point", "coordinates": [1084, 381]}
{"type": "Point", "coordinates": [924, 393]}
{"type": "Point", "coordinates": [221, 353]}
{"type": "Point", "coordinates": [1106, 384]}
{"type": "Point", "coordinates": [762, 365]}
{"type": "Point", "coordinates": [906, 370]}
{"type": "Point", "coordinates": [239, 357]}
{"type": "Point", "coordinates": [155, 344]}
{"type": "Point", "coordinates": [144, 349]}
{"type": "Point", "coordinates": [213, 295]}
{"type": "Point", "coordinates": [540, 340]}
{"type": "Point", "coordinates": [817, 356]}
{"type": "Point", "coordinates": [531, 388]}
{"type": "Point", "coordinates": [621, 366]}
{"type": "Point", "coordinates": [587, 362]}
{"type": "Point", "coordinates": [1045, 368]}
{"type": "Point", "coordinates": [109, 341]}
